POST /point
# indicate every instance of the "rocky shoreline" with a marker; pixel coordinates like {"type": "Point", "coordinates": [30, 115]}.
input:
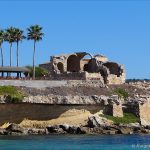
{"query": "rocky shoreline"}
{"type": "Point", "coordinates": [95, 125]}
{"type": "Point", "coordinates": [15, 129]}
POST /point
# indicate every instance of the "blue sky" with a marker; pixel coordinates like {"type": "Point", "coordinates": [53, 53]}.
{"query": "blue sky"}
{"type": "Point", "coordinates": [117, 29]}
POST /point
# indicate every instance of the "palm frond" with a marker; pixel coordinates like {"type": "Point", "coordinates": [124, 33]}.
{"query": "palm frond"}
{"type": "Point", "coordinates": [35, 33]}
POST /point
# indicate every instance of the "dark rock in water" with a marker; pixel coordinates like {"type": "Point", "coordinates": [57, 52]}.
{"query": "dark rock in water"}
{"type": "Point", "coordinates": [15, 133]}
{"type": "Point", "coordinates": [65, 127]}
{"type": "Point", "coordinates": [104, 130]}
{"type": "Point", "coordinates": [55, 129]}
{"type": "Point", "coordinates": [146, 131]}
{"type": "Point", "coordinates": [109, 129]}
{"type": "Point", "coordinates": [3, 131]}
{"type": "Point", "coordinates": [125, 130]}
{"type": "Point", "coordinates": [35, 131]}
{"type": "Point", "coordinates": [96, 130]}
{"type": "Point", "coordinates": [85, 130]}
{"type": "Point", "coordinates": [72, 129]}
{"type": "Point", "coordinates": [75, 130]}
{"type": "Point", "coordinates": [110, 132]}
{"type": "Point", "coordinates": [15, 128]}
{"type": "Point", "coordinates": [52, 129]}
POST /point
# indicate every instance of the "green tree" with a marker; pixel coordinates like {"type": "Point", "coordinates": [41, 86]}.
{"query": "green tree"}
{"type": "Point", "coordinates": [1, 42]}
{"type": "Point", "coordinates": [39, 72]}
{"type": "Point", "coordinates": [9, 37]}
{"type": "Point", "coordinates": [35, 34]}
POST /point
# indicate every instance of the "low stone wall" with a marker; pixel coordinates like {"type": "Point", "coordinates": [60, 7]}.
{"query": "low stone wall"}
{"type": "Point", "coordinates": [33, 83]}
{"type": "Point", "coordinates": [86, 83]}
{"type": "Point", "coordinates": [94, 76]}
{"type": "Point", "coordinates": [69, 76]}
{"type": "Point", "coordinates": [51, 83]}
{"type": "Point", "coordinates": [17, 112]}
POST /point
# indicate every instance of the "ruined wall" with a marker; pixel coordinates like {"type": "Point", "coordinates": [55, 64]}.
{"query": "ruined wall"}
{"type": "Point", "coordinates": [117, 110]}
{"type": "Point", "coordinates": [47, 66]}
{"type": "Point", "coordinates": [114, 79]}
{"type": "Point", "coordinates": [78, 76]}
{"type": "Point", "coordinates": [94, 76]}
{"type": "Point", "coordinates": [101, 58]}
{"type": "Point", "coordinates": [114, 110]}
{"type": "Point", "coordinates": [131, 108]}
{"type": "Point", "coordinates": [144, 113]}
{"type": "Point", "coordinates": [75, 67]}
{"type": "Point", "coordinates": [56, 60]}
{"type": "Point", "coordinates": [118, 77]}
{"type": "Point", "coordinates": [70, 76]}
{"type": "Point", "coordinates": [141, 109]}
{"type": "Point", "coordinates": [83, 63]}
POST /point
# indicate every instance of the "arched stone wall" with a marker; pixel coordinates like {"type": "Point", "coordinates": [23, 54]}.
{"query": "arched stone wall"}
{"type": "Point", "coordinates": [60, 67]}
{"type": "Point", "coordinates": [73, 63]}
{"type": "Point", "coordinates": [114, 68]}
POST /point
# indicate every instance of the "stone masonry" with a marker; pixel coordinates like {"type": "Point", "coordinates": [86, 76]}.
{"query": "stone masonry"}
{"type": "Point", "coordinates": [77, 66]}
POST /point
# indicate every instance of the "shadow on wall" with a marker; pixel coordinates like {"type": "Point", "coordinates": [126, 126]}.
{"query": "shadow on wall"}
{"type": "Point", "coordinates": [17, 112]}
{"type": "Point", "coordinates": [73, 63]}
{"type": "Point", "coordinates": [114, 68]}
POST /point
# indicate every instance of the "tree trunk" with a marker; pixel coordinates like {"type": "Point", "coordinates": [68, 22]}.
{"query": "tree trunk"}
{"type": "Point", "coordinates": [17, 57]}
{"type": "Point", "coordinates": [34, 61]}
{"type": "Point", "coordinates": [2, 57]}
{"type": "Point", "coordinates": [17, 53]}
{"type": "Point", "coordinates": [10, 56]}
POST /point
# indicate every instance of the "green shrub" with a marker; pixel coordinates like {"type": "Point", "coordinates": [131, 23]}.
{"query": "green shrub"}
{"type": "Point", "coordinates": [39, 72]}
{"type": "Point", "coordinates": [128, 118]}
{"type": "Point", "coordinates": [120, 92]}
{"type": "Point", "coordinates": [11, 93]}
{"type": "Point", "coordinates": [15, 98]}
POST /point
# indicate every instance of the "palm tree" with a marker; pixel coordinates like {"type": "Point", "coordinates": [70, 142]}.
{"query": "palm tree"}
{"type": "Point", "coordinates": [35, 34]}
{"type": "Point", "coordinates": [1, 41]}
{"type": "Point", "coordinates": [9, 37]}
{"type": "Point", "coordinates": [18, 36]}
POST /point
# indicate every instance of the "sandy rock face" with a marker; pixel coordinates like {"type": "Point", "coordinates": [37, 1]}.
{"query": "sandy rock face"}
{"type": "Point", "coordinates": [97, 121]}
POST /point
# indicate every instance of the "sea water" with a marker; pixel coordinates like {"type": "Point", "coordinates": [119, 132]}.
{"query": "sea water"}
{"type": "Point", "coordinates": [76, 142]}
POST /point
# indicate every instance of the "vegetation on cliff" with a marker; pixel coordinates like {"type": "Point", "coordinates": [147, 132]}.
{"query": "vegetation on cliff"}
{"type": "Point", "coordinates": [12, 93]}
{"type": "Point", "coordinates": [128, 118]}
{"type": "Point", "coordinates": [122, 93]}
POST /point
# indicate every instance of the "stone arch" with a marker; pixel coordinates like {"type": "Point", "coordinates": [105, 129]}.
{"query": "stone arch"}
{"type": "Point", "coordinates": [88, 54]}
{"type": "Point", "coordinates": [85, 67]}
{"type": "Point", "coordinates": [84, 62]}
{"type": "Point", "coordinates": [60, 67]}
{"type": "Point", "coordinates": [113, 68]}
{"type": "Point", "coordinates": [73, 63]}
{"type": "Point", "coordinates": [92, 66]}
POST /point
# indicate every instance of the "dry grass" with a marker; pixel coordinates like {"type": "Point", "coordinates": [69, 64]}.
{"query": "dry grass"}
{"type": "Point", "coordinates": [5, 125]}
{"type": "Point", "coordinates": [72, 117]}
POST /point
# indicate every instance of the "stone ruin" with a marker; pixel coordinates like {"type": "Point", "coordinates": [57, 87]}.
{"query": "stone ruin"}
{"type": "Point", "coordinates": [77, 66]}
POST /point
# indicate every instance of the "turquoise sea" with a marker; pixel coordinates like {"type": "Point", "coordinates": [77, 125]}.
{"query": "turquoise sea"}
{"type": "Point", "coordinates": [76, 142]}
